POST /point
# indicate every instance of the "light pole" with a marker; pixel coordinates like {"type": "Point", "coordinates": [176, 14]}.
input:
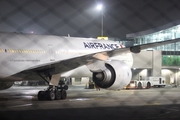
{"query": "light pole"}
{"type": "Point", "coordinates": [101, 7]}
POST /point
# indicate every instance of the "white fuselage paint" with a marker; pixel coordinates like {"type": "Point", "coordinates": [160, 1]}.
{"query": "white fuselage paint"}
{"type": "Point", "coordinates": [21, 52]}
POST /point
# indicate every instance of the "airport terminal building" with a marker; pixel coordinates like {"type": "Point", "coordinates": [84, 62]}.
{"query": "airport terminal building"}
{"type": "Point", "coordinates": [159, 61]}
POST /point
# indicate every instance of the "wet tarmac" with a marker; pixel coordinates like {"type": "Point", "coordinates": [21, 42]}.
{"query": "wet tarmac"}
{"type": "Point", "coordinates": [21, 103]}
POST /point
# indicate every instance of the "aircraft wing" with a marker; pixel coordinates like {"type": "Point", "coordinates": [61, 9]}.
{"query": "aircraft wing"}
{"type": "Point", "coordinates": [151, 45]}
{"type": "Point", "coordinates": [84, 59]}
{"type": "Point", "coordinates": [138, 48]}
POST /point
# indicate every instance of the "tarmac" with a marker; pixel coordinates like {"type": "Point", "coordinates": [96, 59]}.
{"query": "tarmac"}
{"type": "Point", "coordinates": [21, 103]}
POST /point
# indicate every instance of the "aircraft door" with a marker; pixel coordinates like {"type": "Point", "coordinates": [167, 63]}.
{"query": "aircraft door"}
{"type": "Point", "coordinates": [51, 52]}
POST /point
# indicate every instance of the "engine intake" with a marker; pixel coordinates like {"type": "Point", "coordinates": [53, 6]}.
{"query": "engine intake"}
{"type": "Point", "coordinates": [106, 78]}
{"type": "Point", "coordinates": [116, 75]}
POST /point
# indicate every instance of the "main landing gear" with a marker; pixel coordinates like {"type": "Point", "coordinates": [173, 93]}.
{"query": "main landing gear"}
{"type": "Point", "coordinates": [54, 92]}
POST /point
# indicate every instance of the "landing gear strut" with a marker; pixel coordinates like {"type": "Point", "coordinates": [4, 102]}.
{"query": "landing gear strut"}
{"type": "Point", "coordinates": [54, 92]}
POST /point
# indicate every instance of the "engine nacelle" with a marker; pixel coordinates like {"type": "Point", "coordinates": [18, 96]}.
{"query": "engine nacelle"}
{"type": "Point", "coordinates": [5, 85]}
{"type": "Point", "coordinates": [116, 75]}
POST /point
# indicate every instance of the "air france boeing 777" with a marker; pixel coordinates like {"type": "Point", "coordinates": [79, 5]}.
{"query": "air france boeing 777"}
{"type": "Point", "coordinates": [36, 57]}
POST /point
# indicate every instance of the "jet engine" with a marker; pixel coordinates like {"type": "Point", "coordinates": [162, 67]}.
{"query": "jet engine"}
{"type": "Point", "coordinates": [116, 75]}
{"type": "Point", "coordinates": [5, 85]}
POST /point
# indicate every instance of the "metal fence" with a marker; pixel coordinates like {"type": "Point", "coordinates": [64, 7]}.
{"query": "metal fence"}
{"type": "Point", "coordinates": [80, 18]}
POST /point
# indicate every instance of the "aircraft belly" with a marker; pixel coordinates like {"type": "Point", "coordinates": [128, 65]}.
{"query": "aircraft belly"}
{"type": "Point", "coordinates": [82, 71]}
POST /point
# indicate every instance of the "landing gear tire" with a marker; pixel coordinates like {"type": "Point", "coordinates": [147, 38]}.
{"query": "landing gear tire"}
{"type": "Point", "coordinates": [139, 85]}
{"type": "Point", "coordinates": [63, 94]}
{"type": "Point", "coordinates": [57, 95]}
{"type": "Point", "coordinates": [41, 95]}
{"type": "Point", "coordinates": [148, 85]}
{"type": "Point", "coordinates": [54, 92]}
{"type": "Point", "coordinates": [51, 95]}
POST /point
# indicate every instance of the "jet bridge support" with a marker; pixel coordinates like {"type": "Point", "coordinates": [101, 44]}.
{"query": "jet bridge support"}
{"type": "Point", "coordinates": [55, 91]}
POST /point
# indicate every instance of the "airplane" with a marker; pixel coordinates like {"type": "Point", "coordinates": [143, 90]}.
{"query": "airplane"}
{"type": "Point", "coordinates": [47, 57]}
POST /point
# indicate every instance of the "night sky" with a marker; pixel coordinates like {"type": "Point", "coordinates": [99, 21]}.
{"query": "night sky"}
{"type": "Point", "coordinates": [81, 18]}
